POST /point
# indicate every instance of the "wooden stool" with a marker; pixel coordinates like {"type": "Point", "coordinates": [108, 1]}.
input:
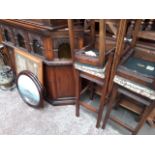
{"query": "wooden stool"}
{"type": "Point", "coordinates": [93, 63]}
{"type": "Point", "coordinates": [135, 79]}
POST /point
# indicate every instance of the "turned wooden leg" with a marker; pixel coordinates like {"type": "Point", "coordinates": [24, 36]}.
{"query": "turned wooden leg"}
{"type": "Point", "coordinates": [110, 105]}
{"type": "Point", "coordinates": [78, 88]}
{"type": "Point", "coordinates": [144, 116]}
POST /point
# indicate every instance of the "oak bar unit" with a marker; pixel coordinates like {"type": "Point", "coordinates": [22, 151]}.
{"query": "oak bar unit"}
{"type": "Point", "coordinates": [48, 40]}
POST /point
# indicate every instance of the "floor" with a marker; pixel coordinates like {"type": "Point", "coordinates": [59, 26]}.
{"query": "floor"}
{"type": "Point", "coordinates": [18, 118]}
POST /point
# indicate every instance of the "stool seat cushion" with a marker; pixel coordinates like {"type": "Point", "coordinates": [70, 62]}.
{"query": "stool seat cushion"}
{"type": "Point", "coordinates": [99, 72]}
{"type": "Point", "coordinates": [140, 66]}
{"type": "Point", "coordinates": [135, 87]}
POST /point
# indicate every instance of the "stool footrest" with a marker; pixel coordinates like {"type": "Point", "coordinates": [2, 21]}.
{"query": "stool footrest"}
{"type": "Point", "coordinates": [116, 120]}
{"type": "Point", "coordinates": [133, 96]}
{"type": "Point", "coordinates": [91, 79]}
{"type": "Point", "coordinates": [88, 106]}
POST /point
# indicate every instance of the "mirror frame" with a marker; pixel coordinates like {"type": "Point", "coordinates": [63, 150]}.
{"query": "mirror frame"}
{"type": "Point", "coordinates": [37, 84]}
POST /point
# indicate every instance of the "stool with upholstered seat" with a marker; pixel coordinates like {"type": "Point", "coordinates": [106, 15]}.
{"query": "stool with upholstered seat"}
{"type": "Point", "coordinates": [93, 62]}
{"type": "Point", "coordinates": [135, 79]}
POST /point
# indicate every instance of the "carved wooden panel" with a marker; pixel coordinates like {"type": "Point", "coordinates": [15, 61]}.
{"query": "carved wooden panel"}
{"type": "Point", "coordinates": [36, 43]}
{"type": "Point", "coordinates": [57, 44]}
{"type": "Point", "coordinates": [7, 34]}
{"type": "Point", "coordinates": [21, 38]}
{"type": "Point", "coordinates": [61, 44]}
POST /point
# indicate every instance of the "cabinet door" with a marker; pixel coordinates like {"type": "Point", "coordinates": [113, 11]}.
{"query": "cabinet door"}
{"type": "Point", "coordinates": [59, 82]}
{"type": "Point", "coordinates": [64, 81]}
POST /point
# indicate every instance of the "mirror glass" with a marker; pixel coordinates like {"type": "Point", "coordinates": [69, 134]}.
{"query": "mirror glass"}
{"type": "Point", "coordinates": [28, 90]}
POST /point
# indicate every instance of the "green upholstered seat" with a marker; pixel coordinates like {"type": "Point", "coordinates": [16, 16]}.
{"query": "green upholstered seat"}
{"type": "Point", "coordinates": [142, 66]}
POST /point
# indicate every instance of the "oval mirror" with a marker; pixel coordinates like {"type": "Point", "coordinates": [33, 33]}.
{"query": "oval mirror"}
{"type": "Point", "coordinates": [30, 89]}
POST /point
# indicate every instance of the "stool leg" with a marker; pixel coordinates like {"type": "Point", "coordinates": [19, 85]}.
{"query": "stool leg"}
{"type": "Point", "coordinates": [78, 88]}
{"type": "Point", "coordinates": [92, 91]}
{"type": "Point", "coordinates": [110, 106]}
{"type": "Point", "coordinates": [101, 107]}
{"type": "Point", "coordinates": [144, 116]}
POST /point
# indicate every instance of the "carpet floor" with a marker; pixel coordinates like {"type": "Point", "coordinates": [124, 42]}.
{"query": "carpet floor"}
{"type": "Point", "coordinates": [17, 118]}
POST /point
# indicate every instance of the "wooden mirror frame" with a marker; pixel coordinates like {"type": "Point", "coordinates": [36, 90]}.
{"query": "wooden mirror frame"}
{"type": "Point", "coordinates": [37, 84]}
